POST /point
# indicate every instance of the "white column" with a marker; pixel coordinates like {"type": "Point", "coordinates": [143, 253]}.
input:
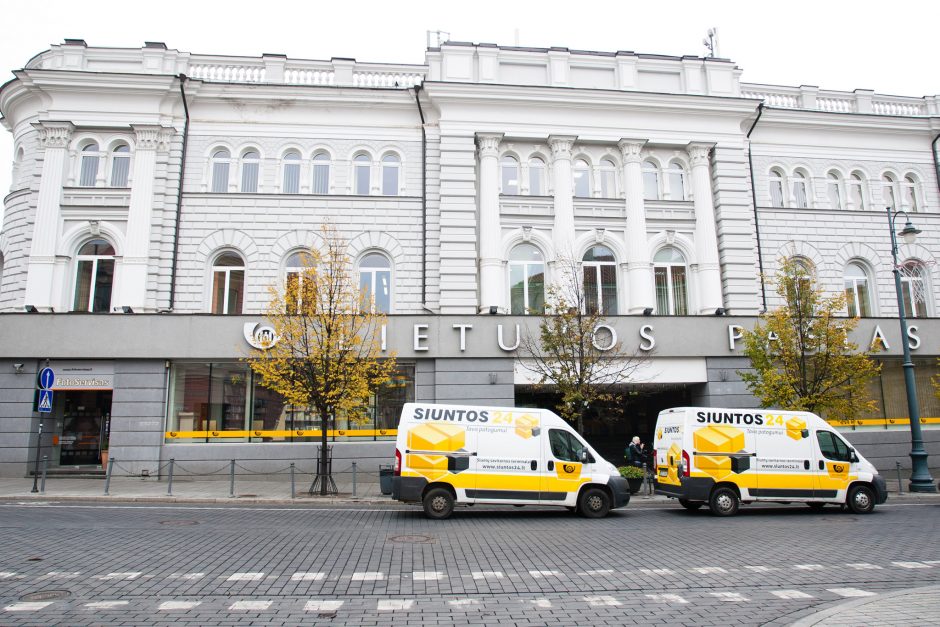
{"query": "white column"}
{"type": "Point", "coordinates": [639, 268]}
{"type": "Point", "coordinates": [491, 263]}
{"type": "Point", "coordinates": [706, 241]}
{"type": "Point", "coordinates": [563, 234]}
{"type": "Point", "coordinates": [54, 138]}
{"type": "Point", "coordinates": [133, 287]}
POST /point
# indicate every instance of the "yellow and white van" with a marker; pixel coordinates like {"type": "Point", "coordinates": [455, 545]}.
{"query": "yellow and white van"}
{"type": "Point", "coordinates": [447, 454]}
{"type": "Point", "coordinates": [723, 457]}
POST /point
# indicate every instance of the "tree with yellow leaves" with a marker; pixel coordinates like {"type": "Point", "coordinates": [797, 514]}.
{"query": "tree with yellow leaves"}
{"type": "Point", "coordinates": [326, 354]}
{"type": "Point", "coordinates": [800, 353]}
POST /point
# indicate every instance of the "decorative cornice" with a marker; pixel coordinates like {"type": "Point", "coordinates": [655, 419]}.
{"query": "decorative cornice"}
{"type": "Point", "coordinates": [152, 137]}
{"type": "Point", "coordinates": [561, 146]}
{"type": "Point", "coordinates": [631, 149]}
{"type": "Point", "coordinates": [488, 144]}
{"type": "Point", "coordinates": [54, 134]}
{"type": "Point", "coordinates": [698, 153]}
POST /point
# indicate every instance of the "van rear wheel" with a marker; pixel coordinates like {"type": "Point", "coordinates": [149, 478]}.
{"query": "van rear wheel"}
{"type": "Point", "coordinates": [724, 502]}
{"type": "Point", "coordinates": [594, 503]}
{"type": "Point", "coordinates": [861, 500]}
{"type": "Point", "coordinates": [690, 505]}
{"type": "Point", "coordinates": [438, 504]}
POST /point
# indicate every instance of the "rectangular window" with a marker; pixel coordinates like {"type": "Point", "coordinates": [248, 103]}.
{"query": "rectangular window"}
{"type": "Point", "coordinates": [650, 186]}
{"type": "Point", "coordinates": [799, 193]}
{"type": "Point", "coordinates": [250, 178]}
{"type": "Point", "coordinates": [536, 280]}
{"type": "Point", "coordinates": [383, 299]}
{"type": "Point", "coordinates": [321, 179]}
{"type": "Point", "coordinates": [219, 178]}
{"type": "Point", "coordinates": [535, 181]}
{"type": "Point", "coordinates": [835, 200]}
{"type": "Point", "coordinates": [590, 289]}
{"type": "Point", "coordinates": [776, 193]}
{"type": "Point", "coordinates": [104, 281]}
{"type": "Point", "coordinates": [389, 180]}
{"type": "Point", "coordinates": [517, 302]}
{"type": "Point", "coordinates": [609, 289]}
{"type": "Point", "coordinates": [662, 292]}
{"type": "Point", "coordinates": [119, 171]}
{"type": "Point", "coordinates": [362, 180]}
{"type": "Point", "coordinates": [608, 184]}
{"type": "Point", "coordinates": [89, 173]}
{"type": "Point", "coordinates": [83, 284]}
{"type": "Point", "coordinates": [292, 178]}
{"type": "Point", "coordinates": [679, 287]}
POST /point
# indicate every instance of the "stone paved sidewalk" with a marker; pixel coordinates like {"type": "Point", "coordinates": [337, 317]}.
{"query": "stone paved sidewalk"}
{"type": "Point", "coordinates": [919, 606]}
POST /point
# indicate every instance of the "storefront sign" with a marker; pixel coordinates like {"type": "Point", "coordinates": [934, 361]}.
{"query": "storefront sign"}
{"type": "Point", "coordinates": [83, 375]}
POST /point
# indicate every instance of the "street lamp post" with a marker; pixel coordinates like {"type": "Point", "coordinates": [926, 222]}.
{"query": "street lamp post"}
{"type": "Point", "coordinates": [921, 480]}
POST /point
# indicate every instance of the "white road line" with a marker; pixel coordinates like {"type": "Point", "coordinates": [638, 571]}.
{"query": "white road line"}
{"type": "Point", "coordinates": [307, 576]}
{"type": "Point", "coordinates": [250, 605]}
{"type": "Point", "coordinates": [394, 605]}
{"type": "Point", "coordinates": [187, 576]}
{"type": "Point", "coordinates": [706, 570]}
{"type": "Point", "coordinates": [809, 567]}
{"type": "Point", "coordinates": [28, 606]}
{"type": "Point", "coordinates": [760, 569]}
{"type": "Point", "coordinates": [666, 598]}
{"type": "Point", "coordinates": [911, 564]}
{"type": "Point", "coordinates": [732, 597]}
{"type": "Point", "coordinates": [487, 574]}
{"type": "Point", "coordinates": [7, 575]}
{"type": "Point", "coordinates": [55, 574]}
{"type": "Point", "coordinates": [112, 576]}
{"type": "Point", "coordinates": [428, 575]}
{"type": "Point", "coordinates": [541, 574]}
{"type": "Point", "coordinates": [167, 606]}
{"type": "Point", "coordinates": [596, 573]}
{"type": "Point", "coordinates": [790, 594]}
{"type": "Point", "coordinates": [543, 603]}
{"type": "Point", "coordinates": [106, 605]}
{"type": "Point", "coordinates": [864, 566]}
{"type": "Point", "coordinates": [323, 606]}
{"type": "Point", "coordinates": [602, 600]}
{"type": "Point", "coordinates": [461, 602]}
{"type": "Point", "coordinates": [368, 576]}
{"type": "Point", "coordinates": [932, 562]}
{"type": "Point", "coordinates": [245, 577]}
{"type": "Point", "coordinates": [657, 571]}
{"type": "Point", "coordinates": [851, 592]}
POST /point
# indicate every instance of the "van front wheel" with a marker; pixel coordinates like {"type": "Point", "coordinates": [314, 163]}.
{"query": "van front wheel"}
{"type": "Point", "coordinates": [724, 502]}
{"type": "Point", "coordinates": [594, 503]}
{"type": "Point", "coordinates": [438, 504]}
{"type": "Point", "coordinates": [861, 500]}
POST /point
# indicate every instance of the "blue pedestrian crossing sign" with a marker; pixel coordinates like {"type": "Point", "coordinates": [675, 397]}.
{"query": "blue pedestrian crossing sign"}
{"type": "Point", "coordinates": [46, 378]}
{"type": "Point", "coordinates": [45, 401]}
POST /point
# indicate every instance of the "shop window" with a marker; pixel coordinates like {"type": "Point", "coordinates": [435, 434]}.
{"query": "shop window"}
{"type": "Point", "coordinates": [671, 278]}
{"type": "Point", "coordinates": [526, 280]}
{"type": "Point", "coordinates": [291, 182]}
{"type": "Point", "coordinates": [120, 165]}
{"type": "Point", "coordinates": [375, 276]}
{"type": "Point", "coordinates": [228, 284]}
{"type": "Point", "coordinates": [94, 277]}
{"type": "Point", "coordinates": [600, 281]}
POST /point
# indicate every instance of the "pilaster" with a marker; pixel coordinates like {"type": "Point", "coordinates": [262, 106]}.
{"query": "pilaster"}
{"type": "Point", "coordinates": [639, 270]}
{"type": "Point", "coordinates": [706, 240]}
{"type": "Point", "coordinates": [491, 293]}
{"type": "Point", "coordinates": [563, 233]}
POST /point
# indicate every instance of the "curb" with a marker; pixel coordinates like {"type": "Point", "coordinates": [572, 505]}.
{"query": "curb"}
{"type": "Point", "coordinates": [840, 609]}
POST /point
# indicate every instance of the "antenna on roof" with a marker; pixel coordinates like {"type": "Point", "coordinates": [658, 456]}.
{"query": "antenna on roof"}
{"type": "Point", "coordinates": [439, 38]}
{"type": "Point", "coordinates": [711, 42]}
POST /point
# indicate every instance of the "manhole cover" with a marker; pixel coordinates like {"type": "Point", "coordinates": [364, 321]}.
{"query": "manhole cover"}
{"type": "Point", "coordinates": [46, 595]}
{"type": "Point", "coordinates": [179, 523]}
{"type": "Point", "coordinates": [411, 539]}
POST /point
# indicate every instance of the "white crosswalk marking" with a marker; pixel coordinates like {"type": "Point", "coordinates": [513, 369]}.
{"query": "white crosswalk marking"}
{"type": "Point", "coordinates": [863, 566]}
{"type": "Point", "coordinates": [932, 562]}
{"type": "Point", "coordinates": [543, 603]}
{"type": "Point", "coordinates": [187, 576]}
{"type": "Point", "coordinates": [428, 575]}
{"type": "Point", "coordinates": [487, 574]}
{"type": "Point", "coordinates": [732, 597]}
{"type": "Point", "coordinates": [323, 606]}
{"type": "Point", "coordinates": [307, 576]}
{"type": "Point", "coordinates": [851, 592]}
{"type": "Point", "coordinates": [250, 605]}
{"type": "Point", "coordinates": [394, 605]}
{"type": "Point", "coordinates": [540, 574]}
{"type": "Point", "coordinates": [666, 598]}
{"type": "Point", "coordinates": [657, 571]}
{"type": "Point", "coordinates": [55, 574]}
{"type": "Point", "coordinates": [7, 575]}
{"type": "Point", "coordinates": [790, 594]}
{"type": "Point", "coordinates": [368, 576]}
{"type": "Point", "coordinates": [177, 605]}
{"type": "Point", "coordinates": [461, 602]}
{"type": "Point", "coordinates": [809, 567]}
{"type": "Point", "coordinates": [760, 569]}
{"type": "Point", "coordinates": [112, 576]}
{"type": "Point", "coordinates": [106, 605]}
{"type": "Point", "coordinates": [602, 600]}
{"type": "Point", "coordinates": [596, 573]}
{"type": "Point", "coordinates": [707, 570]}
{"type": "Point", "coordinates": [28, 606]}
{"type": "Point", "coordinates": [245, 577]}
{"type": "Point", "coordinates": [910, 565]}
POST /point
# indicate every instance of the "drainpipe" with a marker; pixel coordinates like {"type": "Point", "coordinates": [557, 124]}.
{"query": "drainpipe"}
{"type": "Point", "coordinates": [179, 196]}
{"type": "Point", "coordinates": [750, 165]}
{"type": "Point", "coordinates": [424, 201]}
{"type": "Point", "coordinates": [936, 162]}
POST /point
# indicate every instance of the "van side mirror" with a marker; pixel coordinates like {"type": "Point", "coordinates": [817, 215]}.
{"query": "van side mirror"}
{"type": "Point", "coordinates": [804, 433]}
{"type": "Point", "coordinates": [853, 456]}
{"type": "Point", "coordinates": [586, 457]}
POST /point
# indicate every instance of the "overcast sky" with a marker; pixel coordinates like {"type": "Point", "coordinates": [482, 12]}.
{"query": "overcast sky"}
{"type": "Point", "coordinates": [833, 44]}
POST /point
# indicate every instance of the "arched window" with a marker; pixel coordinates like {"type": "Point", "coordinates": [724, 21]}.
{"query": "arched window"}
{"type": "Point", "coordinates": [509, 175]}
{"type": "Point", "coordinates": [650, 181]}
{"type": "Point", "coordinates": [798, 189]}
{"type": "Point", "coordinates": [672, 288]}
{"type": "Point", "coordinates": [581, 172]}
{"type": "Point", "coordinates": [857, 297]}
{"type": "Point", "coordinates": [391, 172]}
{"type": "Point", "coordinates": [362, 166]}
{"type": "Point", "coordinates": [608, 173]}
{"type": "Point", "coordinates": [220, 165]}
{"type": "Point", "coordinates": [776, 188]}
{"type": "Point", "coordinates": [914, 289]}
{"type": "Point", "coordinates": [909, 194]}
{"type": "Point", "coordinates": [600, 281]}
{"type": "Point", "coordinates": [834, 190]}
{"type": "Point", "coordinates": [321, 174]}
{"type": "Point", "coordinates": [856, 191]}
{"type": "Point", "coordinates": [251, 162]}
{"type": "Point", "coordinates": [294, 268]}
{"type": "Point", "coordinates": [228, 284]}
{"type": "Point", "coordinates": [89, 171]}
{"type": "Point", "coordinates": [676, 182]}
{"type": "Point", "coordinates": [889, 191]}
{"type": "Point", "coordinates": [526, 280]}
{"type": "Point", "coordinates": [94, 277]}
{"type": "Point", "coordinates": [536, 177]}
{"type": "Point", "coordinates": [375, 281]}
{"type": "Point", "coordinates": [291, 182]}
{"type": "Point", "coordinates": [120, 165]}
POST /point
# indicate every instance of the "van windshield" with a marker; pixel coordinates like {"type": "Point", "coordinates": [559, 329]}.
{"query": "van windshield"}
{"type": "Point", "coordinates": [565, 446]}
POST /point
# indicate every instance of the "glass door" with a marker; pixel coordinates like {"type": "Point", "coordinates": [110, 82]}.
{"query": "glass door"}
{"type": "Point", "coordinates": [85, 426]}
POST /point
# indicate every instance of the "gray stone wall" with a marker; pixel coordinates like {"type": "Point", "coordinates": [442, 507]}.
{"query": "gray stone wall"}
{"type": "Point", "coordinates": [138, 415]}
{"type": "Point", "coordinates": [474, 382]}
{"type": "Point", "coordinates": [18, 424]}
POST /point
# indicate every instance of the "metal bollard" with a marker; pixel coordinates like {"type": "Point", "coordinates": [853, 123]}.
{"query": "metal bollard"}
{"type": "Point", "coordinates": [354, 478]}
{"type": "Point", "coordinates": [898, 465]}
{"type": "Point", "coordinates": [107, 478]}
{"type": "Point", "coordinates": [45, 466]}
{"type": "Point", "coordinates": [292, 492]}
{"type": "Point", "coordinates": [169, 484]}
{"type": "Point", "coordinates": [231, 484]}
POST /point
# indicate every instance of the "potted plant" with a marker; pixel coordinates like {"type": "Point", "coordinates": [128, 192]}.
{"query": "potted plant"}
{"type": "Point", "coordinates": [634, 477]}
{"type": "Point", "coordinates": [104, 454]}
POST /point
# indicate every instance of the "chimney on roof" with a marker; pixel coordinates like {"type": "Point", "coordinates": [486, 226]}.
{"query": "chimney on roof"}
{"type": "Point", "coordinates": [155, 44]}
{"type": "Point", "coordinates": [76, 42]}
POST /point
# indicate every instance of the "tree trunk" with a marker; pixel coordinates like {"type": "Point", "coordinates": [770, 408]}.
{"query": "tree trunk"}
{"type": "Point", "coordinates": [324, 454]}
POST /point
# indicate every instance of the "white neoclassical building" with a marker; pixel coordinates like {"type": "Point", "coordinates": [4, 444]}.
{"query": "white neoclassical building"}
{"type": "Point", "coordinates": [157, 194]}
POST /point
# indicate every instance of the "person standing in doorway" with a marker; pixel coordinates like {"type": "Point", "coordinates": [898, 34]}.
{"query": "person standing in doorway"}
{"type": "Point", "coordinates": [635, 452]}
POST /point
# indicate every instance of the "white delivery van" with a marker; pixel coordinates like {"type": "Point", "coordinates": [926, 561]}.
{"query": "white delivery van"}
{"type": "Point", "coordinates": [448, 454]}
{"type": "Point", "coordinates": [723, 457]}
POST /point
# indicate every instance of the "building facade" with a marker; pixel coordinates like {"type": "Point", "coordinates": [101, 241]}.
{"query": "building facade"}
{"type": "Point", "coordinates": [157, 195]}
